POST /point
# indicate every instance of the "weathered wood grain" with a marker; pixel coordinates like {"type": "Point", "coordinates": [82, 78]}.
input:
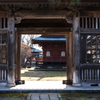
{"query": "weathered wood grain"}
{"type": "Point", "coordinates": [18, 56]}
{"type": "Point", "coordinates": [11, 45]}
{"type": "Point", "coordinates": [69, 55]}
{"type": "Point", "coordinates": [76, 49]}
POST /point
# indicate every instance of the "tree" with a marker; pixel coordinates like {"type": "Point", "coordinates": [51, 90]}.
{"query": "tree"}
{"type": "Point", "coordinates": [25, 53]}
{"type": "Point", "coordinates": [26, 48]}
{"type": "Point", "coordinates": [28, 38]}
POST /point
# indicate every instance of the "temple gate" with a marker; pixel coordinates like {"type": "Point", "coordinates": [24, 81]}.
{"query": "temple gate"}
{"type": "Point", "coordinates": [79, 22]}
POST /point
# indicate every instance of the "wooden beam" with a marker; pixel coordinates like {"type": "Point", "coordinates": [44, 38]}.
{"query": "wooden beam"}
{"type": "Point", "coordinates": [3, 66]}
{"type": "Point", "coordinates": [89, 66]}
{"type": "Point", "coordinates": [90, 13]}
{"type": "Point", "coordinates": [3, 31]}
{"type": "Point", "coordinates": [43, 14]}
{"type": "Point", "coordinates": [52, 30]}
{"type": "Point", "coordinates": [3, 13]}
{"type": "Point", "coordinates": [87, 31]}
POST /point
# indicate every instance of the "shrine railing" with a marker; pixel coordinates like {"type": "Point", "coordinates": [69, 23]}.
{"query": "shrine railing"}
{"type": "Point", "coordinates": [90, 72]}
{"type": "Point", "coordinates": [3, 75]}
{"type": "Point", "coordinates": [90, 22]}
{"type": "Point", "coordinates": [3, 72]}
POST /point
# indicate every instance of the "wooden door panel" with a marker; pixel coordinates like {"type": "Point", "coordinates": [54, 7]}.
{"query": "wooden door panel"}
{"type": "Point", "coordinates": [55, 55]}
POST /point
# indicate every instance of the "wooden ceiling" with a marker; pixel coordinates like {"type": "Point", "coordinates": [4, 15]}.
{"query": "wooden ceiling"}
{"type": "Point", "coordinates": [43, 23]}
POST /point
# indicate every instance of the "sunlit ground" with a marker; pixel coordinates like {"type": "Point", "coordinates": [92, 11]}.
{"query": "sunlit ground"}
{"type": "Point", "coordinates": [43, 75]}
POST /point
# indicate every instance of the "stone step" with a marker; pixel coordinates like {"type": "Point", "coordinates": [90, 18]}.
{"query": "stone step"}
{"type": "Point", "coordinates": [34, 96]}
{"type": "Point", "coordinates": [54, 96]}
{"type": "Point", "coordinates": [38, 96]}
{"type": "Point", "coordinates": [44, 96]}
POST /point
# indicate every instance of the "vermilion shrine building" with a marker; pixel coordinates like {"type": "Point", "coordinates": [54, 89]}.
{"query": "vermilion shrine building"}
{"type": "Point", "coordinates": [78, 21]}
{"type": "Point", "coordinates": [54, 50]}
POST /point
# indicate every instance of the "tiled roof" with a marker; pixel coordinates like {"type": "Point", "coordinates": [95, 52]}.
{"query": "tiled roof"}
{"type": "Point", "coordinates": [51, 38]}
{"type": "Point", "coordinates": [35, 50]}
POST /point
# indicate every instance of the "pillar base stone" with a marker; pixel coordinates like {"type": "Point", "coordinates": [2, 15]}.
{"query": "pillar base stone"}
{"type": "Point", "coordinates": [68, 82]}
{"type": "Point", "coordinates": [77, 84]}
{"type": "Point", "coordinates": [10, 84]}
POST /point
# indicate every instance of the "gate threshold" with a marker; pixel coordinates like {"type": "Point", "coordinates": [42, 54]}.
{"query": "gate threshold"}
{"type": "Point", "coordinates": [47, 87]}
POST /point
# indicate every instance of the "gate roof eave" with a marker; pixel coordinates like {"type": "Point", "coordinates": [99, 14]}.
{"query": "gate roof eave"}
{"type": "Point", "coordinates": [45, 3]}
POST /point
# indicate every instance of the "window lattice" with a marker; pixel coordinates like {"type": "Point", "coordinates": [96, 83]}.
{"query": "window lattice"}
{"type": "Point", "coordinates": [3, 49]}
{"type": "Point", "coordinates": [90, 48]}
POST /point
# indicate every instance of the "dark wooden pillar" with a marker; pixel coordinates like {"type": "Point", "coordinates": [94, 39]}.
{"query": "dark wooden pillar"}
{"type": "Point", "coordinates": [16, 55]}
{"type": "Point", "coordinates": [69, 54]}
{"type": "Point", "coordinates": [76, 49]}
{"type": "Point", "coordinates": [18, 64]}
{"type": "Point", "coordinates": [11, 38]}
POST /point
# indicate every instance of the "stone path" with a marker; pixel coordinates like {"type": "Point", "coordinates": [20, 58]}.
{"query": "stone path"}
{"type": "Point", "coordinates": [44, 96]}
{"type": "Point", "coordinates": [38, 96]}
{"type": "Point", "coordinates": [12, 99]}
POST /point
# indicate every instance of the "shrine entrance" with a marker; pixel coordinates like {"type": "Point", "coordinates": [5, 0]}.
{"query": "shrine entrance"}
{"type": "Point", "coordinates": [44, 27]}
{"type": "Point", "coordinates": [47, 69]}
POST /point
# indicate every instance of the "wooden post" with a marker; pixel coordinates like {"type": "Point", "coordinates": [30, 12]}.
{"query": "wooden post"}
{"type": "Point", "coordinates": [11, 38]}
{"type": "Point", "coordinates": [69, 55]}
{"type": "Point", "coordinates": [76, 49]}
{"type": "Point", "coordinates": [18, 57]}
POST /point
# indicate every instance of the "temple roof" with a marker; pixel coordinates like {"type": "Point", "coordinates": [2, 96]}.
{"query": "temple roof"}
{"type": "Point", "coordinates": [35, 50]}
{"type": "Point", "coordinates": [50, 38]}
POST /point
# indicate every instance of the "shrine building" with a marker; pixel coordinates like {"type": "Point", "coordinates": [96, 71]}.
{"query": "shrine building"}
{"type": "Point", "coordinates": [54, 51]}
